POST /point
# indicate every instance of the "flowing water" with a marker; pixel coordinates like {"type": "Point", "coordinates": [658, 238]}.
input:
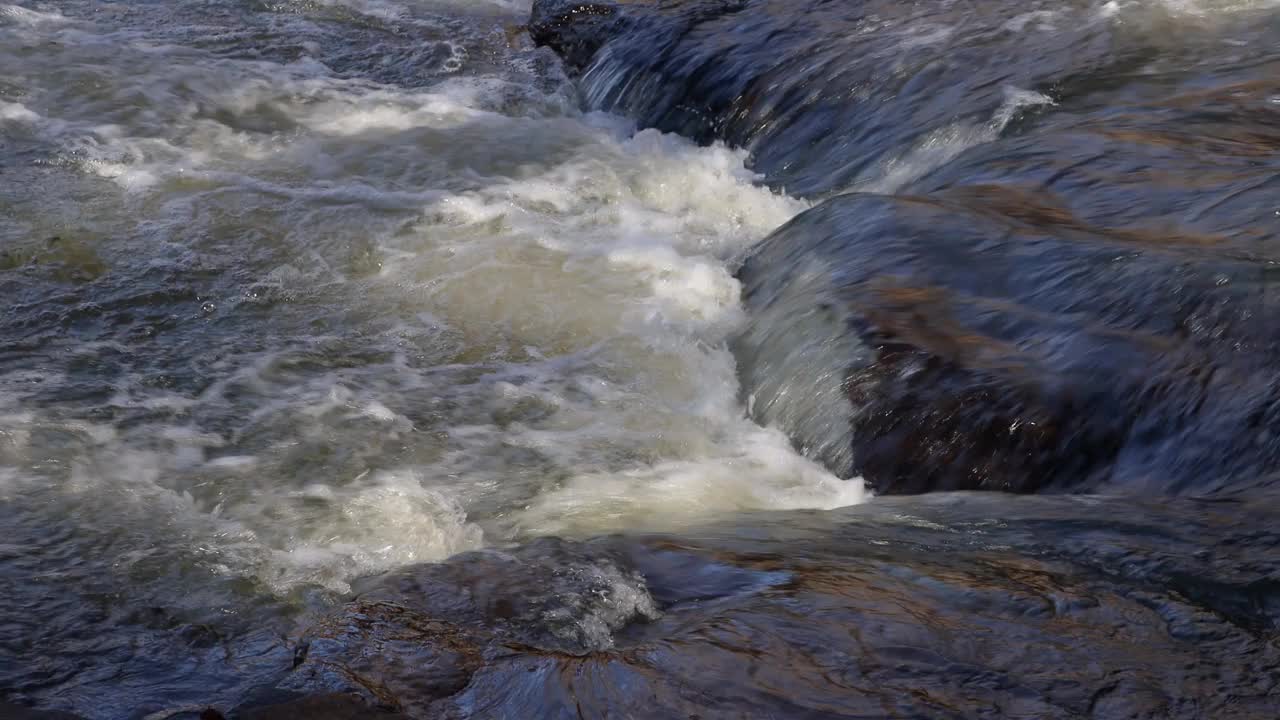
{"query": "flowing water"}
{"type": "Point", "coordinates": [314, 300]}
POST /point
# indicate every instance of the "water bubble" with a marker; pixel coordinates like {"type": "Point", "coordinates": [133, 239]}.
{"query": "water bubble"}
{"type": "Point", "coordinates": [458, 55]}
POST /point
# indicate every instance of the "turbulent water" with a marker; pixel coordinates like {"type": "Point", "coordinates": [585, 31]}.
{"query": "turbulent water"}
{"type": "Point", "coordinates": [365, 346]}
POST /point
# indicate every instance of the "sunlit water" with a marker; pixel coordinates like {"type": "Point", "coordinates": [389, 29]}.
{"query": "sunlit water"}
{"type": "Point", "coordinates": [297, 293]}
{"type": "Point", "coordinates": [300, 292]}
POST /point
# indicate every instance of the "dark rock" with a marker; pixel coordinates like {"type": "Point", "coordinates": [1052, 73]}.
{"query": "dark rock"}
{"type": "Point", "coordinates": [987, 339]}
{"type": "Point", "coordinates": [416, 637]}
{"type": "Point", "coordinates": [1076, 297]}
{"type": "Point", "coordinates": [823, 92]}
{"type": "Point", "coordinates": [547, 594]}
{"type": "Point", "coordinates": [903, 608]}
{"type": "Point", "coordinates": [389, 657]}
{"type": "Point", "coordinates": [18, 712]}
{"type": "Point", "coordinates": [574, 29]}
{"type": "Point", "coordinates": [334, 706]}
{"type": "Point", "coordinates": [1189, 165]}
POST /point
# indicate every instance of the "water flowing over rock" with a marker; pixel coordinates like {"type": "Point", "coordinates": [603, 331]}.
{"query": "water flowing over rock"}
{"type": "Point", "coordinates": [902, 610]}
{"type": "Point", "coordinates": [822, 91]}
{"type": "Point", "coordinates": [1072, 286]}
{"type": "Point", "coordinates": [989, 342]}
{"type": "Point", "coordinates": [380, 359]}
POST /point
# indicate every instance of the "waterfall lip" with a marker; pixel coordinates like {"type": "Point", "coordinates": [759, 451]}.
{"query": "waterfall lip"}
{"type": "Point", "coordinates": [991, 117]}
{"type": "Point", "coordinates": [929, 344]}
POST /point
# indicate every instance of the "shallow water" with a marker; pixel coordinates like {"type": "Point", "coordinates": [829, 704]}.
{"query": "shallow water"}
{"type": "Point", "coordinates": [308, 300]}
{"type": "Point", "coordinates": [301, 292]}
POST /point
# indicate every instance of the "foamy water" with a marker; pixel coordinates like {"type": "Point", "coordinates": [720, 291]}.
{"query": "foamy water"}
{"type": "Point", "coordinates": [303, 292]}
{"type": "Point", "coordinates": [356, 284]}
{"type": "Point", "coordinates": [392, 323]}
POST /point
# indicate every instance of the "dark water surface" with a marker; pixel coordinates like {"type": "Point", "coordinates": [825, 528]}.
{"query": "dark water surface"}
{"type": "Point", "coordinates": [454, 358]}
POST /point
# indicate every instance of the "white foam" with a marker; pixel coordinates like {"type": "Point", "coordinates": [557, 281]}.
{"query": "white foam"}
{"type": "Point", "coordinates": [17, 112]}
{"type": "Point", "coordinates": [1191, 13]}
{"type": "Point", "coordinates": [281, 538]}
{"type": "Point", "coordinates": [1216, 7]}
{"type": "Point", "coordinates": [522, 7]}
{"type": "Point", "coordinates": [388, 521]}
{"type": "Point", "coordinates": [921, 35]}
{"type": "Point", "coordinates": [1038, 20]}
{"type": "Point", "coordinates": [384, 9]}
{"type": "Point", "coordinates": [761, 472]}
{"type": "Point", "coordinates": [622, 253]}
{"type": "Point", "coordinates": [341, 114]}
{"type": "Point", "coordinates": [691, 289]}
{"type": "Point", "coordinates": [18, 15]}
{"type": "Point", "coordinates": [547, 338]}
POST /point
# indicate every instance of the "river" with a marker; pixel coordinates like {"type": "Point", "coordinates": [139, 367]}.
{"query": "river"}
{"type": "Point", "coordinates": [383, 348]}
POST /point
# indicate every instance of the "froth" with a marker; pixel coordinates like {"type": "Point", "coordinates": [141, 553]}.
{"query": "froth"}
{"type": "Point", "coordinates": [17, 112]}
{"type": "Point", "coordinates": [387, 520]}
{"type": "Point", "coordinates": [759, 470]}
{"type": "Point", "coordinates": [18, 15]}
{"type": "Point", "coordinates": [438, 317]}
{"type": "Point", "coordinates": [620, 255]}
{"type": "Point", "coordinates": [323, 534]}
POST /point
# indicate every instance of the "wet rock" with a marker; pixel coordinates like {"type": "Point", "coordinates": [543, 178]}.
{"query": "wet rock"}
{"type": "Point", "coordinates": [901, 608]}
{"type": "Point", "coordinates": [1190, 165]}
{"type": "Point", "coordinates": [548, 594]}
{"type": "Point", "coordinates": [1075, 289]}
{"type": "Point", "coordinates": [333, 706]}
{"type": "Point", "coordinates": [985, 339]}
{"type": "Point", "coordinates": [575, 30]}
{"type": "Point", "coordinates": [823, 92]}
{"type": "Point", "coordinates": [70, 260]}
{"type": "Point", "coordinates": [18, 712]}
{"type": "Point", "coordinates": [1077, 296]}
{"type": "Point", "coordinates": [388, 657]}
{"type": "Point", "coordinates": [416, 637]}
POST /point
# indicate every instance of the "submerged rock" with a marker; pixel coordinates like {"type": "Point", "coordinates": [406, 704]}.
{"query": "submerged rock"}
{"type": "Point", "coordinates": [387, 657]}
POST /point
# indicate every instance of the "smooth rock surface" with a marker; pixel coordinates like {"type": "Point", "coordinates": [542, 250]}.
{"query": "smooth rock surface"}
{"type": "Point", "coordinates": [975, 340]}
{"type": "Point", "coordinates": [907, 607]}
{"type": "Point", "coordinates": [1055, 268]}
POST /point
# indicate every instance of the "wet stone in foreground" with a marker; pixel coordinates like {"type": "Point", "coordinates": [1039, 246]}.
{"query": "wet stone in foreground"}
{"type": "Point", "coordinates": [900, 610]}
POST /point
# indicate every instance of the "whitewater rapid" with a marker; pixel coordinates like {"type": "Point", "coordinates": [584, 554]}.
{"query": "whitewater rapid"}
{"type": "Point", "coordinates": [382, 324]}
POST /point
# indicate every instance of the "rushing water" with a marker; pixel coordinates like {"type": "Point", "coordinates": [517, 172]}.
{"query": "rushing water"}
{"type": "Point", "coordinates": [320, 299]}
